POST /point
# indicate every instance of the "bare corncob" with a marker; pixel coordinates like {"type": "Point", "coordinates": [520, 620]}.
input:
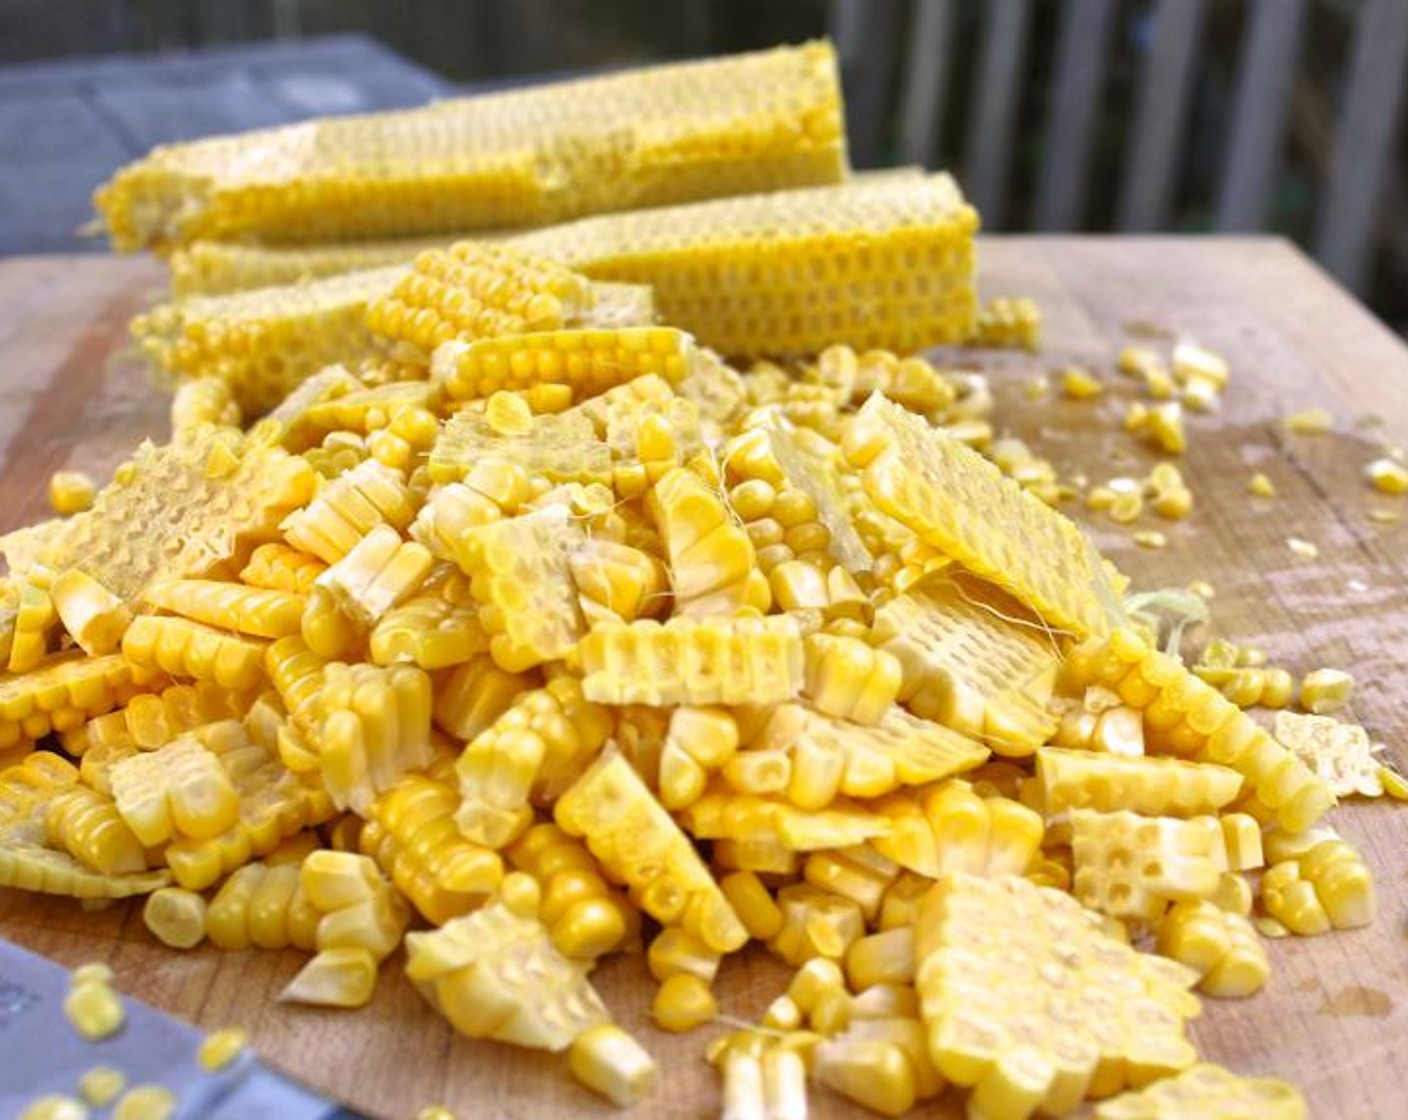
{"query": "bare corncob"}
{"type": "Point", "coordinates": [213, 268]}
{"type": "Point", "coordinates": [882, 263]}
{"type": "Point", "coordinates": [265, 342]}
{"type": "Point", "coordinates": [645, 138]}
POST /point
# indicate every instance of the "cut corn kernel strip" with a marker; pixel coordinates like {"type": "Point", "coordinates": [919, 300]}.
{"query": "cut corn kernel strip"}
{"type": "Point", "coordinates": [629, 832]}
{"type": "Point", "coordinates": [1209, 1092]}
{"type": "Point", "coordinates": [1153, 786]}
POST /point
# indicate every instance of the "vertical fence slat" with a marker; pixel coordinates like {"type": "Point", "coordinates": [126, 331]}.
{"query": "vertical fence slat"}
{"type": "Point", "coordinates": [1079, 74]}
{"type": "Point", "coordinates": [988, 145]}
{"type": "Point", "coordinates": [926, 77]}
{"type": "Point", "coordinates": [1364, 136]}
{"type": "Point", "coordinates": [1268, 61]}
{"type": "Point", "coordinates": [1153, 159]}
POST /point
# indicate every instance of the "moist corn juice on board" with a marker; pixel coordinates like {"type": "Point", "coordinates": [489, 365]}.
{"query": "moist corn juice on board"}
{"type": "Point", "coordinates": [537, 632]}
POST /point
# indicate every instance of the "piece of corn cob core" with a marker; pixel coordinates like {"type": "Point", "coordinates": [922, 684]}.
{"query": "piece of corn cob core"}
{"type": "Point", "coordinates": [646, 138]}
{"type": "Point", "coordinates": [878, 262]}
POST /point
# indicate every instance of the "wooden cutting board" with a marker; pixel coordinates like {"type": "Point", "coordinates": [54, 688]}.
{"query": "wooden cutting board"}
{"type": "Point", "coordinates": [1334, 1016]}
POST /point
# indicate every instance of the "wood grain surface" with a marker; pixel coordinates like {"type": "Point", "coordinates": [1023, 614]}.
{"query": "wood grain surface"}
{"type": "Point", "coordinates": [1334, 1016]}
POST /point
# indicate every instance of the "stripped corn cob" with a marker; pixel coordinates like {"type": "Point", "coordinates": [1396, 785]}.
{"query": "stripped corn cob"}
{"type": "Point", "coordinates": [1130, 866]}
{"type": "Point", "coordinates": [1209, 1092]}
{"type": "Point", "coordinates": [961, 504]}
{"type": "Point", "coordinates": [778, 273]}
{"type": "Point", "coordinates": [563, 448]}
{"type": "Point", "coordinates": [178, 510]}
{"type": "Point", "coordinates": [211, 268]}
{"type": "Point", "coordinates": [264, 342]}
{"type": "Point", "coordinates": [753, 122]}
{"type": "Point", "coordinates": [965, 665]}
{"type": "Point", "coordinates": [1052, 1010]}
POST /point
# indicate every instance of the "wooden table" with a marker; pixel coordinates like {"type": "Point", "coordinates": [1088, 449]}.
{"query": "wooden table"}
{"type": "Point", "coordinates": [1334, 1016]}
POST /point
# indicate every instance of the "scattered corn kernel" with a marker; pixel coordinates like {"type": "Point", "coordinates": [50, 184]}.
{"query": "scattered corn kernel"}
{"type": "Point", "coordinates": [609, 1061]}
{"type": "Point", "coordinates": [54, 1106]}
{"type": "Point", "coordinates": [684, 1001]}
{"type": "Point", "coordinates": [1388, 476]}
{"type": "Point", "coordinates": [145, 1102]}
{"type": "Point", "coordinates": [71, 492]}
{"type": "Point", "coordinates": [1302, 548]}
{"type": "Point", "coordinates": [1309, 422]}
{"type": "Point", "coordinates": [1259, 486]}
{"type": "Point", "coordinates": [94, 1009]}
{"type": "Point", "coordinates": [221, 1048]}
{"type": "Point", "coordinates": [100, 1086]}
{"type": "Point", "coordinates": [1325, 690]}
{"type": "Point", "coordinates": [1080, 384]}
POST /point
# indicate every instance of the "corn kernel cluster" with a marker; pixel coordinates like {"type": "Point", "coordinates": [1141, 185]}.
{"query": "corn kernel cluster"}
{"type": "Point", "coordinates": [523, 630]}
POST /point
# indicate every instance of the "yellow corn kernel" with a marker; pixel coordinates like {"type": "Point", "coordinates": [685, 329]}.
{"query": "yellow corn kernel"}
{"type": "Point", "coordinates": [1207, 1091]}
{"type": "Point", "coordinates": [1241, 836]}
{"type": "Point", "coordinates": [783, 1014]}
{"type": "Point", "coordinates": [34, 618]}
{"type": "Point", "coordinates": [179, 789]}
{"type": "Point", "coordinates": [699, 740]}
{"type": "Point", "coordinates": [1080, 384]}
{"type": "Point", "coordinates": [859, 874]}
{"type": "Point", "coordinates": [1325, 690]}
{"type": "Point", "coordinates": [349, 508]}
{"type": "Point", "coordinates": [1187, 717]}
{"type": "Point", "coordinates": [875, 1074]}
{"type": "Point", "coordinates": [1388, 476]}
{"type": "Point", "coordinates": [93, 616]}
{"type": "Point", "coordinates": [675, 950]}
{"type": "Point", "coordinates": [191, 649]}
{"type": "Point", "coordinates": [276, 566]}
{"type": "Point", "coordinates": [850, 680]}
{"type": "Point", "coordinates": [753, 904]}
{"type": "Point", "coordinates": [145, 1102]}
{"type": "Point", "coordinates": [1008, 322]}
{"type": "Point", "coordinates": [815, 923]}
{"type": "Point", "coordinates": [259, 612]}
{"type": "Point", "coordinates": [495, 974]}
{"type": "Point", "coordinates": [219, 1049]}
{"type": "Point", "coordinates": [684, 1001]}
{"type": "Point", "coordinates": [881, 958]}
{"type": "Point", "coordinates": [1221, 946]}
{"type": "Point", "coordinates": [100, 1085]}
{"type": "Point", "coordinates": [683, 660]}
{"type": "Point", "coordinates": [343, 977]}
{"type": "Point", "coordinates": [814, 979]}
{"type": "Point", "coordinates": [71, 492]}
{"type": "Point", "coordinates": [886, 1001]}
{"type": "Point", "coordinates": [94, 1010]}
{"type": "Point", "coordinates": [87, 825]}
{"type": "Point", "coordinates": [636, 840]}
{"type": "Point", "coordinates": [54, 1106]}
{"type": "Point", "coordinates": [608, 1061]}
{"type": "Point", "coordinates": [430, 632]}
{"type": "Point", "coordinates": [1308, 422]}
{"type": "Point", "coordinates": [474, 695]}
{"type": "Point", "coordinates": [710, 557]}
{"type": "Point", "coordinates": [377, 573]}
{"type": "Point", "coordinates": [261, 906]}
{"type": "Point", "coordinates": [1395, 785]}
{"type": "Point", "coordinates": [176, 917]}
{"type": "Point", "coordinates": [1328, 887]}
{"type": "Point", "coordinates": [94, 972]}
{"type": "Point", "coordinates": [1259, 486]}
{"type": "Point", "coordinates": [435, 1112]}
{"type": "Point", "coordinates": [540, 743]}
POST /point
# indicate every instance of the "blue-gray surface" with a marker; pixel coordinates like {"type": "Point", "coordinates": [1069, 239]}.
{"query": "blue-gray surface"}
{"type": "Point", "coordinates": [40, 1053]}
{"type": "Point", "coordinates": [66, 126]}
